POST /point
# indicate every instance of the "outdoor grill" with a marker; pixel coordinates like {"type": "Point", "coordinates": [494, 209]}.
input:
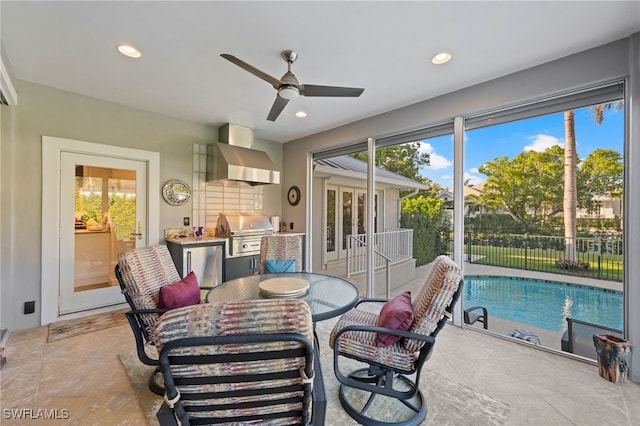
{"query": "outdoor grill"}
{"type": "Point", "coordinates": [244, 231]}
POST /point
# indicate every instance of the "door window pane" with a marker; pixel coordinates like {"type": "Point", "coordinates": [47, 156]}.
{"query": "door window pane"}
{"type": "Point", "coordinates": [331, 220]}
{"type": "Point", "coordinates": [362, 213]}
{"type": "Point", "coordinates": [347, 216]}
{"type": "Point", "coordinates": [105, 217]}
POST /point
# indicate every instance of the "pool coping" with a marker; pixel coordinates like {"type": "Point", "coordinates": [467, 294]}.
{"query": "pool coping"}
{"type": "Point", "coordinates": [473, 269]}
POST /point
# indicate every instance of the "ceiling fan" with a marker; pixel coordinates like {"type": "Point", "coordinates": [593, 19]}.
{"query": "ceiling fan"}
{"type": "Point", "coordinates": [288, 87]}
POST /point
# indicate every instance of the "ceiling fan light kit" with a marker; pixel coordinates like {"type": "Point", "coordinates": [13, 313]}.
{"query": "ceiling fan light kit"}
{"type": "Point", "coordinates": [289, 92]}
{"type": "Point", "coordinates": [288, 86]}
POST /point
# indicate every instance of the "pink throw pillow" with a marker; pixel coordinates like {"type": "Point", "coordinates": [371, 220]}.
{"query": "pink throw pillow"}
{"type": "Point", "coordinates": [396, 313]}
{"type": "Point", "coordinates": [185, 292]}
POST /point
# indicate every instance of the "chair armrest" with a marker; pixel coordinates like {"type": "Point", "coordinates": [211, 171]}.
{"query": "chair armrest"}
{"type": "Point", "coordinates": [140, 332]}
{"type": "Point", "coordinates": [147, 311]}
{"type": "Point", "coordinates": [369, 300]}
{"type": "Point", "coordinates": [370, 358]}
{"type": "Point", "coordinates": [471, 317]}
{"type": "Point", "coordinates": [385, 330]}
{"type": "Point", "coordinates": [474, 308]}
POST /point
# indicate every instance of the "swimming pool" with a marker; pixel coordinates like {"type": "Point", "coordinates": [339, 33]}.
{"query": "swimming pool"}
{"type": "Point", "coordinates": [541, 303]}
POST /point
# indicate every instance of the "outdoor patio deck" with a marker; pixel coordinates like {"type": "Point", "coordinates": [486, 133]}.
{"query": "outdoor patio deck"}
{"type": "Point", "coordinates": [84, 375]}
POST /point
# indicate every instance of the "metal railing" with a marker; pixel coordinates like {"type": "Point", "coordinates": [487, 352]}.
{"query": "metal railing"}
{"type": "Point", "coordinates": [386, 259]}
{"type": "Point", "coordinates": [390, 247]}
{"type": "Point", "coordinates": [596, 257]}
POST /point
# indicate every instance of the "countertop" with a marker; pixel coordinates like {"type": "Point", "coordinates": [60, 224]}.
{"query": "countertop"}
{"type": "Point", "coordinates": [212, 240]}
{"type": "Point", "coordinates": [196, 240]}
{"type": "Point", "coordinates": [87, 231]}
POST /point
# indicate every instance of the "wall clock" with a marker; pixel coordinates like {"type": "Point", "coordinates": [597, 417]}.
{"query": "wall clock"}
{"type": "Point", "coordinates": [293, 195]}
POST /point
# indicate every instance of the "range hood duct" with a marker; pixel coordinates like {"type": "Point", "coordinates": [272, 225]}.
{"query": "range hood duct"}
{"type": "Point", "coordinates": [233, 159]}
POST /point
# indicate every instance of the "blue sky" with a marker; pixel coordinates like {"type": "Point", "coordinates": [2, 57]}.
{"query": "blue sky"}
{"type": "Point", "coordinates": [510, 139]}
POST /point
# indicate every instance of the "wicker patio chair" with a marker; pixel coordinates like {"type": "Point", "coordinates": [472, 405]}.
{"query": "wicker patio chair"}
{"type": "Point", "coordinates": [360, 335]}
{"type": "Point", "coordinates": [141, 274]}
{"type": "Point", "coordinates": [237, 362]}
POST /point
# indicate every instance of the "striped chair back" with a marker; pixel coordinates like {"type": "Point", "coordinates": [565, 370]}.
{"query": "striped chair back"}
{"type": "Point", "coordinates": [144, 271]}
{"type": "Point", "coordinates": [281, 247]}
{"type": "Point", "coordinates": [241, 361]}
{"type": "Point", "coordinates": [430, 305]}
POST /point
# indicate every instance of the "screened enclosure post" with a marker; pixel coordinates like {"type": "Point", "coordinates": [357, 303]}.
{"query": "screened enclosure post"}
{"type": "Point", "coordinates": [371, 147]}
{"type": "Point", "coordinates": [458, 205]}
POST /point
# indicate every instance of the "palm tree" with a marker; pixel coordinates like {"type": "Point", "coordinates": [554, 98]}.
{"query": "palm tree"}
{"type": "Point", "coordinates": [570, 202]}
{"type": "Point", "coordinates": [598, 111]}
{"type": "Point", "coordinates": [570, 199]}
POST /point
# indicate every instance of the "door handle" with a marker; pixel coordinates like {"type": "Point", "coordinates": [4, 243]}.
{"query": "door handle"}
{"type": "Point", "coordinates": [139, 233]}
{"type": "Point", "coordinates": [188, 262]}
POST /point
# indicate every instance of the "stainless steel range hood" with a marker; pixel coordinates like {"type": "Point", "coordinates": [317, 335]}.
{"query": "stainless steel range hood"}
{"type": "Point", "coordinates": [233, 158]}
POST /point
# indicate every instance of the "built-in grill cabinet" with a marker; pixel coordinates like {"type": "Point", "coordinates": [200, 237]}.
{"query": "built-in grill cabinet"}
{"type": "Point", "coordinates": [244, 232]}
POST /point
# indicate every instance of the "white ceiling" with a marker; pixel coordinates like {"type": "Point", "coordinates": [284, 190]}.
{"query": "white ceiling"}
{"type": "Point", "coordinates": [384, 47]}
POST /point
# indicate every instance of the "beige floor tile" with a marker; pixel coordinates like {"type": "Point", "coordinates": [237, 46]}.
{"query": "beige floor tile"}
{"type": "Point", "coordinates": [84, 375]}
{"type": "Point", "coordinates": [536, 411]}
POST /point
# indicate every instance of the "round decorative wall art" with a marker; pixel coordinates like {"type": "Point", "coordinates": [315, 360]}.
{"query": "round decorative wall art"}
{"type": "Point", "coordinates": [176, 192]}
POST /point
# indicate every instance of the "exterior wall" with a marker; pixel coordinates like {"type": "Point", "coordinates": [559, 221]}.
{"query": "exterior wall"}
{"type": "Point", "coordinates": [46, 111]}
{"type": "Point", "coordinates": [615, 60]}
{"type": "Point", "coordinates": [391, 213]}
{"type": "Point", "coordinates": [609, 209]}
{"type": "Point", "coordinates": [388, 212]}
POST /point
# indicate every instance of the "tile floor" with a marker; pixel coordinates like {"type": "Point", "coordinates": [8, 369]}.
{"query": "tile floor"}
{"type": "Point", "coordinates": [84, 376]}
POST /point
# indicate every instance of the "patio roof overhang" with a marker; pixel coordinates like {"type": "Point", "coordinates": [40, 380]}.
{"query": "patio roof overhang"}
{"type": "Point", "coordinates": [403, 184]}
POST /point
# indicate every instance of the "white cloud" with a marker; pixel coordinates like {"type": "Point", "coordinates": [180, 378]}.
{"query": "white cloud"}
{"type": "Point", "coordinates": [425, 148]}
{"type": "Point", "coordinates": [471, 178]}
{"type": "Point", "coordinates": [436, 161]}
{"type": "Point", "coordinates": [541, 143]}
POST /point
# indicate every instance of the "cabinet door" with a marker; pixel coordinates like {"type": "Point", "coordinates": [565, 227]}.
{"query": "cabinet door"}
{"type": "Point", "coordinates": [240, 267]}
{"type": "Point", "coordinates": [206, 263]}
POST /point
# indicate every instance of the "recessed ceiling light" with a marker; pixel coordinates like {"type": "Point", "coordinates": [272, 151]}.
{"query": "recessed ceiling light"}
{"type": "Point", "coordinates": [441, 58]}
{"type": "Point", "coordinates": [301, 114]}
{"type": "Point", "coordinates": [129, 51]}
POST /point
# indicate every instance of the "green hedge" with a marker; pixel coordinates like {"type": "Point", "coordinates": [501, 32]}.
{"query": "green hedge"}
{"type": "Point", "coordinates": [425, 216]}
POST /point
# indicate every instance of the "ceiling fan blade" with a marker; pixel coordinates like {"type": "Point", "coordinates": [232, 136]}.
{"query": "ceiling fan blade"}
{"type": "Point", "coordinates": [313, 90]}
{"type": "Point", "coordinates": [253, 70]}
{"type": "Point", "coordinates": [276, 109]}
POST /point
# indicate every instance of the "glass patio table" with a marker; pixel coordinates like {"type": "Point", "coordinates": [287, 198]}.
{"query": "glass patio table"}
{"type": "Point", "coordinates": [327, 297]}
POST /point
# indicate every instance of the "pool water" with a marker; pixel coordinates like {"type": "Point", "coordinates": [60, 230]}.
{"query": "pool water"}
{"type": "Point", "coordinates": [543, 304]}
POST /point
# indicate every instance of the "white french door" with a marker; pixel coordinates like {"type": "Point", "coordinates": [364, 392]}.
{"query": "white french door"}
{"type": "Point", "coordinates": [346, 213]}
{"type": "Point", "coordinates": [103, 211]}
